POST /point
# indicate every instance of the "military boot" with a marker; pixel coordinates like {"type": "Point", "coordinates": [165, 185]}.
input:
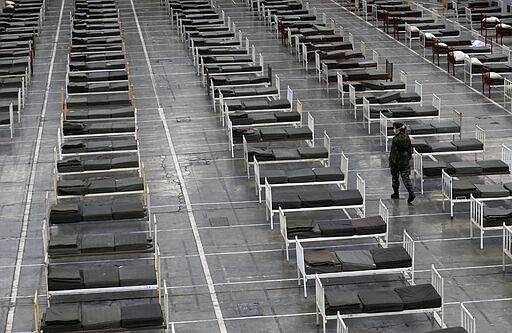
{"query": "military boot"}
{"type": "Point", "coordinates": [411, 195]}
{"type": "Point", "coordinates": [395, 194]}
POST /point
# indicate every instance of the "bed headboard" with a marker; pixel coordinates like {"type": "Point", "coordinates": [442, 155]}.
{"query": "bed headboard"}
{"type": "Point", "coordinates": [438, 284]}
{"type": "Point", "coordinates": [344, 167]}
{"type": "Point", "coordinates": [384, 213]}
{"type": "Point", "coordinates": [327, 145]}
{"type": "Point", "coordinates": [361, 187]}
{"type": "Point", "coordinates": [467, 320]}
{"type": "Point", "coordinates": [408, 244]}
{"type": "Point", "coordinates": [341, 327]}
{"type": "Point", "coordinates": [507, 244]}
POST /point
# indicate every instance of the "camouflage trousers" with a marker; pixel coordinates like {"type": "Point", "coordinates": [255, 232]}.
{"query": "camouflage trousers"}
{"type": "Point", "coordinates": [403, 172]}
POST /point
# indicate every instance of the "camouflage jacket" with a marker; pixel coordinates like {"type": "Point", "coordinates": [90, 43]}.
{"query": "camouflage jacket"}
{"type": "Point", "coordinates": [401, 150]}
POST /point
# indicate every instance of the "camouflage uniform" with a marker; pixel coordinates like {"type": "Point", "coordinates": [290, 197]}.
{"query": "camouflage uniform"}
{"type": "Point", "coordinates": [399, 157]}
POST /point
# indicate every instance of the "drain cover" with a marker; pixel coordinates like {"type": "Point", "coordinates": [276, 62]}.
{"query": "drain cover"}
{"type": "Point", "coordinates": [219, 221]}
{"type": "Point", "coordinates": [249, 309]}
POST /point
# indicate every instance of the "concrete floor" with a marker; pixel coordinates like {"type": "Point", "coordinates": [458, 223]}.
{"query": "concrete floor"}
{"type": "Point", "coordinates": [233, 275]}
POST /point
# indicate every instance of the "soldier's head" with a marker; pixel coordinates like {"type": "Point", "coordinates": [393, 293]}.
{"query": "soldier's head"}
{"type": "Point", "coordinates": [399, 127]}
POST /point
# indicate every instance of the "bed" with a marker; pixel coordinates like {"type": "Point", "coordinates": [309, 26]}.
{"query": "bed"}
{"type": "Point", "coordinates": [467, 324]}
{"type": "Point", "coordinates": [346, 76]}
{"type": "Point", "coordinates": [456, 190]}
{"type": "Point", "coordinates": [221, 50]}
{"type": "Point", "coordinates": [338, 50]}
{"type": "Point", "coordinates": [426, 122]}
{"type": "Point", "coordinates": [133, 208]}
{"type": "Point", "coordinates": [319, 175]}
{"type": "Point", "coordinates": [474, 145]}
{"type": "Point", "coordinates": [343, 60]}
{"type": "Point", "coordinates": [396, 98]}
{"type": "Point", "coordinates": [440, 48]}
{"type": "Point", "coordinates": [308, 231]}
{"type": "Point", "coordinates": [228, 84]}
{"type": "Point", "coordinates": [87, 185]}
{"type": "Point", "coordinates": [274, 127]}
{"type": "Point", "coordinates": [85, 279]}
{"type": "Point", "coordinates": [255, 105]}
{"type": "Point", "coordinates": [338, 40]}
{"type": "Point", "coordinates": [323, 263]}
{"type": "Point", "coordinates": [104, 316]}
{"type": "Point", "coordinates": [61, 243]}
{"type": "Point", "coordinates": [411, 299]}
{"type": "Point", "coordinates": [494, 76]}
{"type": "Point", "coordinates": [296, 199]}
{"type": "Point", "coordinates": [360, 88]}
{"type": "Point", "coordinates": [251, 92]}
{"type": "Point", "coordinates": [488, 213]}
{"type": "Point", "coordinates": [413, 31]}
{"type": "Point", "coordinates": [277, 155]}
{"type": "Point", "coordinates": [337, 36]}
{"type": "Point", "coordinates": [472, 63]}
{"type": "Point", "coordinates": [432, 167]}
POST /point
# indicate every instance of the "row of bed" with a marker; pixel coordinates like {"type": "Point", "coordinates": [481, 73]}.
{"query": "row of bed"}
{"type": "Point", "coordinates": [472, 50]}
{"type": "Point", "coordinates": [317, 189]}
{"type": "Point", "coordinates": [20, 23]}
{"type": "Point", "coordinates": [489, 208]}
{"type": "Point", "coordinates": [101, 254]}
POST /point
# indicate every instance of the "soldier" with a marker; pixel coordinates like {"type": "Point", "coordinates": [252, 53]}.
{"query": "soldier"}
{"type": "Point", "coordinates": [399, 157]}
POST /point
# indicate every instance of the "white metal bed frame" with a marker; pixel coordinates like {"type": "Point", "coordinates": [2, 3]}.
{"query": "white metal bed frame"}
{"type": "Point", "coordinates": [437, 313]}
{"type": "Point", "coordinates": [368, 120]}
{"type": "Point", "coordinates": [467, 321]}
{"type": "Point", "coordinates": [270, 211]}
{"type": "Point", "coordinates": [353, 94]}
{"type": "Point", "coordinates": [163, 303]}
{"type": "Point", "coordinates": [341, 183]}
{"type": "Point", "coordinates": [468, 66]}
{"type": "Point", "coordinates": [196, 50]}
{"type": "Point", "coordinates": [479, 135]}
{"type": "Point", "coordinates": [406, 272]}
{"type": "Point", "coordinates": [47, 230]}
{"type": "Point", "coordinates": [476, 216]}
{"type": "Point", "coordinates": [225, 108]}
{"type": "Point", "coordinates": [222, 98]}
{"type": "Point", "coordinates": [213, 88]}
{"type": "Point", "coordinates": [322, 68]}
{"type": "Point", "coordinates": [436, 102]}
{"type": "Point", "coordinates": [447, 191]}
{"type": "Point", "coordinates": [507, 244]}
{"type": "Point", "coordinates": [303, 55]}
{"type": "Point", "coordinates": [506, 157]}
{"type": "Point", "coordinates": [325, 161]}
{"type": "Point", "coordinates": [382, 238]}
{"type": "Point", "coordinates": [57, 176]}
{"type": "Point", "coordinates": [309, 124]}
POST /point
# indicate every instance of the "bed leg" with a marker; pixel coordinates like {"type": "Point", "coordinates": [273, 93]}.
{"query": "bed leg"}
{"type": "Point", "coordinates": [481, 238]}
{"type": "Point", "coordinates": [304, 282]}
